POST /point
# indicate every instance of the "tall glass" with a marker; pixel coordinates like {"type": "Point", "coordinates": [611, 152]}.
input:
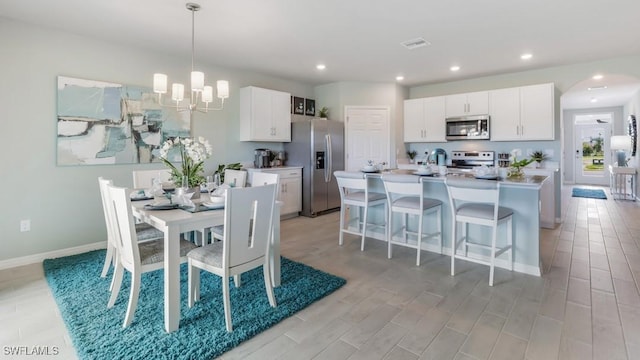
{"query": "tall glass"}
{"type": "Point", "coordinates": [210, 184]}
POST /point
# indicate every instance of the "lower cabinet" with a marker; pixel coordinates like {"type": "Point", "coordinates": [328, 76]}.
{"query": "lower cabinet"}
{"type": "Point", "coordinates": [289, 189]}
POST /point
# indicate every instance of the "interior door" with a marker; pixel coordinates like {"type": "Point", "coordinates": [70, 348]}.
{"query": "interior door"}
{"type": "Point", "coordinates": [368, 136]}
{"type": "Point", "coordinates": [592, 153]}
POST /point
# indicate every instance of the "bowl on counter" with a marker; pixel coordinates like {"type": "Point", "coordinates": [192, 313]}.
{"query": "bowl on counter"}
{"type": "Point", "coordinates": [369, 168]}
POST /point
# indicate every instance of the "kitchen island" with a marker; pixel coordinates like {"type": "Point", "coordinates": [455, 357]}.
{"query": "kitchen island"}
{"type": "Point", "coordinates": [521, 195]}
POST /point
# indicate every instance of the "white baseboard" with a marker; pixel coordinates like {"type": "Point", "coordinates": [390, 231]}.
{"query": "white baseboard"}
{"type": "Point", "coordinates": [36, 258]}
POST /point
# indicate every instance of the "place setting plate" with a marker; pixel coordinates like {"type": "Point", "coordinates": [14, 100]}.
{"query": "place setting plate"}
{"type": "Point", "coordinates": [424, 173]}
{"type": "Point", "coordinates": [487, 177]}
{"type": "Point", "coordinates": [162, 206]}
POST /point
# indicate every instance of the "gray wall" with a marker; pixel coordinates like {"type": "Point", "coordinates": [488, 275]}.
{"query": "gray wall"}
{"type": "Point", "coordinates": [63, 203]}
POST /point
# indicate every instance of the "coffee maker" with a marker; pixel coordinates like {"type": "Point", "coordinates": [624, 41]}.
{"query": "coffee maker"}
{"type": "Point", "coordinates": [262, 158]}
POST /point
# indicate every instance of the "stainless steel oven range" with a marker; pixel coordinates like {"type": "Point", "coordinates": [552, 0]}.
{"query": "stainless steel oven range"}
{"type": "Point", "coordinates": [471, 159]}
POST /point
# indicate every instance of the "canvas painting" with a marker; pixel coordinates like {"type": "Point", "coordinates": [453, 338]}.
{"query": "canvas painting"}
{"type": "Point", "coordinates": [108, 123]}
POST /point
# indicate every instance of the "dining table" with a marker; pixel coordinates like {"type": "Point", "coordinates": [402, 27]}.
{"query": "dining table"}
{"type": "Point", "coordinates": [174, 222]}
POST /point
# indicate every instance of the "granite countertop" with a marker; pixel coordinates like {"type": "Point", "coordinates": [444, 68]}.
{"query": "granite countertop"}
{"type": "Point", "coordinates": [529, 181]}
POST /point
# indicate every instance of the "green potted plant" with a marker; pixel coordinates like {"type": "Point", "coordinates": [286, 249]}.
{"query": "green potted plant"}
{"type": "Point", "coordinates": [538, 156]}
{"type": "Point", "coordinates": [223, 167]}
{"type": "Point", "coordinates": [412, 155]}
{"type": "Point", "coordinates": [515, 169]}
{"type": "Point", "coordinates": [324, 112]}
{"type": "Point", "coordinates": [189, 154]}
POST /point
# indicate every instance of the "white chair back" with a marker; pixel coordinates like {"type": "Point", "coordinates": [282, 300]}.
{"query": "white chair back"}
{"type": "Point", "coordinates": [235, 178]}
{"type": "Point", "coordinates": [125, 235]}
{"type": "Point", "coordinates": [350, 181]}
{"type": "Point", "coordinates": [263, 178]}
{"type": "Point", "coordinates": [477, 191]}
{"type": "Point", "coordinates": [143, 179]}
{"type": "Point", "coordinates": [465, 191]}
{"type": "Point", "coordinates": [397, 186]}
{"type": "Point", "coordinates": [104, 195]}
{"type": "Point", "coordinates": [247, 224]}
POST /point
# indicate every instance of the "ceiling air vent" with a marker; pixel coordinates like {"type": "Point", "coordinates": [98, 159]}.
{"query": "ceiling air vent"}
{"type": "Point", "coordinates": [415, 43]}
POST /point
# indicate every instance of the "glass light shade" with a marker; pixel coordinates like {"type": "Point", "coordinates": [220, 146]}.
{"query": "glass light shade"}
{"type": "Point", "coordinates": [197, 81]}
{"type": "Point", "coordinates": [207, 94]}
{"type": "Point", "coordinates": [223, 89]}
{"type": "Point", "coordinates": [177, 92]}
{"type": "Point", "coordinates": [160, 83]}
{"type": "Point", "coordinates": [620, 142]}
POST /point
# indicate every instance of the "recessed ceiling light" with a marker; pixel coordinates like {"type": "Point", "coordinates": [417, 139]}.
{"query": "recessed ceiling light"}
{"type": "Point", "coordinates": [597, 87]}
{"type": "Point", "coordinates": [594, 100]}
{"type": "Point", "coordinates": [399, 78]}
{"type": "Point", "coordinates": [526, 56]}
{"type": "Point", "coordinates": [321, 67]}
{"type": "Point", "coordinates": [454, 68]}
{"type": "Point", "coordinates": [597, 77]}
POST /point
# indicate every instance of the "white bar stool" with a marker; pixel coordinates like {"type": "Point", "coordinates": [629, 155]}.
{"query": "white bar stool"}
{"type": "Point", "coordinates": [477, 202]}
{"type": "Point", "coordinates": [354, 191]}
{"type": "Point", "coordinates": [405, 194]}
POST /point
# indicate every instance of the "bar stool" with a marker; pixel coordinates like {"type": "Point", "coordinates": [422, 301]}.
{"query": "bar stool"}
{"type": "Point", "coordinates": [405, 194]}
{"type": "Point", "coordinates": [354, 191]}
{"type": "Point", "coordinates": [476, 202]}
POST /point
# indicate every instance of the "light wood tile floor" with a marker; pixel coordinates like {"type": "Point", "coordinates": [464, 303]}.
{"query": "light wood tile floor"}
{"type": "Point", "coordinates": [585, 306]}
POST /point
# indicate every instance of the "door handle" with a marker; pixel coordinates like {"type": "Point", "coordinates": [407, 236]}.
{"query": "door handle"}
{"type": "Point", "coordinates": [328, 167]}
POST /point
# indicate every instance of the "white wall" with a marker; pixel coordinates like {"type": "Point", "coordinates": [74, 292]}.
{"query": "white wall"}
{"type": "Point", "coordinates": [633, 108]}
{"type": "Point", "coordinates": [63, 203]}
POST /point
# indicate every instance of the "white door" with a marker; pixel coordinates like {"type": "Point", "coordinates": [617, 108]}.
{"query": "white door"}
{"type": "Point", "coordinates": [591, 147]}
{"type": "Point", "coordinates": [368, 136]}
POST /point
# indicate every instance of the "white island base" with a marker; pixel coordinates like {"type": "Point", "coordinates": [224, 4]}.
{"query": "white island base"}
{"type": "Point", "coordinates": [522, 196]}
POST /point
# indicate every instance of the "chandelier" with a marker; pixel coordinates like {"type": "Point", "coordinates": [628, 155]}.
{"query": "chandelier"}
{"type": "Point", "coordinates": [200, 94]}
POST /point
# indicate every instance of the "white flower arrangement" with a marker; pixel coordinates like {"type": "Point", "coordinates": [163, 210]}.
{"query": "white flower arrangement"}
{"type": "Point", "coordinates": [192, 155]}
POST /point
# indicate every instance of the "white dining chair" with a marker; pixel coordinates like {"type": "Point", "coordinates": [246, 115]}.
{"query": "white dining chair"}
{"type": "Point", "coordinates": [406, 196]}
{"type": "Point", "coordinates": [260, 178]}
{"type": "Point", "coordinates": [143, 179]}
{"type": "Point", "coordinates": [235, 178]}
{"type": "Point", "coordinates": [477, 202]}
{"type": "Point", "coordinates": [145, 232]}
{"type": "Point", "coordinates": [355, 192]}
{"type": "Point", "coordinates": [133, 256]}
{"type": "Point", "coordinates": [248, 220]}
{"type": "Point", "coordinates": [257, 179]}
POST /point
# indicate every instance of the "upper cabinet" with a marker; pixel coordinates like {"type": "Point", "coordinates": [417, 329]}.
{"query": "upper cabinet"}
{"type": "Point", "coordinates": [424, 120]}
{"type": "Point", "coordinates": [522, 113]}
{"type": "Point", "coordinates": [265, 115]}
{"type": "Point", "coordinates": [475, 103]}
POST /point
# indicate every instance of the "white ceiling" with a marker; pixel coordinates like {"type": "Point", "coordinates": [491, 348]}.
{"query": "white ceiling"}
{"type": "Point", "coordinates": [358, 40]}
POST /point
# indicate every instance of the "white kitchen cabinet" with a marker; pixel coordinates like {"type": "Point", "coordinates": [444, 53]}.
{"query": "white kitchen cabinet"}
{"type": "Point", "coordinates": [547, 204]}
{"type": "Point", "coordinates": [504, 109]}
{"type": "Point", "coordinates": [537, 112]}
{"type": "Point", "coordinates": [522, 113]}
{"type": "Point", "coordinates": [475, 103]}
{"type": "Point", "coordinates": [265, 115]}
{"type": "Point", "coordinates": [289, 188]}
{"type": "Point", "coordinates": [424, 120]}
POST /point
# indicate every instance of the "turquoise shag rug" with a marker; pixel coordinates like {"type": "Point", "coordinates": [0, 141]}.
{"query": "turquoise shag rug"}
{"type": "Point", "coordinates": [97, 332]}
{"type": "Point", "coordinates": [588, 193]}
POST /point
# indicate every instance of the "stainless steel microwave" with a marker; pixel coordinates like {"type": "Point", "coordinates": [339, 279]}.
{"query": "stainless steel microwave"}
{"type": "Point", "coordinates": [468, 128]}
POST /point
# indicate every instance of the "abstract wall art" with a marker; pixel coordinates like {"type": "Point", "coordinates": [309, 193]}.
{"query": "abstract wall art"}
{"type": "Point", "coordinates": [109, 123]}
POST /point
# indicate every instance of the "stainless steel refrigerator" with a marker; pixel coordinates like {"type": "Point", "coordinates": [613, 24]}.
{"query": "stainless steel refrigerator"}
{"type": "Point", "coordinates": [318, 146]}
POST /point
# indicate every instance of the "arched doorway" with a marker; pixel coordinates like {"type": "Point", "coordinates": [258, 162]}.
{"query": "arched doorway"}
{"type": "Point", "coordinates": [603, 98]}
